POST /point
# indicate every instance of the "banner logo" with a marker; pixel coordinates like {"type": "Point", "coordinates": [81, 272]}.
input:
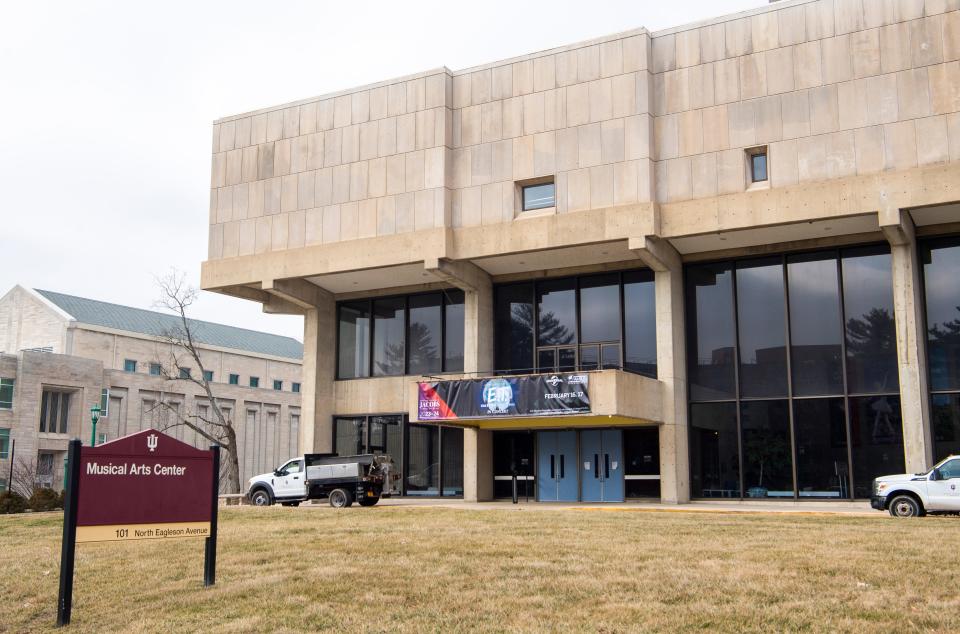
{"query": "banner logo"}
{"type": "Point", "coordinates": [498, 396]}
{"type": "Point", "coordinates": [554, 381]}
{"type": "Point", "coordinates": [152, 442]}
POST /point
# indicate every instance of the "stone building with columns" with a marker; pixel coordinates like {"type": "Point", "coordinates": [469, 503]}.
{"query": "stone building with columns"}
{"type": "Point", "coordinates": [61, 355]}
{"type": "Point", "coordinates": [738, 237]}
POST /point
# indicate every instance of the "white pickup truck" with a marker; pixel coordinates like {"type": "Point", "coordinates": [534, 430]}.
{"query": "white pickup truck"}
{"type": "Point", "coordinates": [342, 479]}
{"type": "Point", "coordinates": [915, 495]}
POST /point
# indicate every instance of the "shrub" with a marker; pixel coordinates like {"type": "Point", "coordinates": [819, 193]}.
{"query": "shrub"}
{"type": "Point", "coordinates": [11, 502]}
{"type": "Point", "coordinates": [44, 500]}
{"type": "Point", "coordinates": [63, 499]}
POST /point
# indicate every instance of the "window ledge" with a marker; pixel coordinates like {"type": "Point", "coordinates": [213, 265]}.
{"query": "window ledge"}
{"type": "Point", "coordinates": [536, 213]}
{"type": "Point", "coordinates": [758, 186]}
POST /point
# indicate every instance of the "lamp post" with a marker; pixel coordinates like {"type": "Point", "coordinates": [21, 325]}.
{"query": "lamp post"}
{"type": "Point", "coordinates": [94, 417]}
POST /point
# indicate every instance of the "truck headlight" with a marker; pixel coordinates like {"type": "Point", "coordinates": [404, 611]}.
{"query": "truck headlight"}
{"type": "Point", "coordinates": [881, 487]}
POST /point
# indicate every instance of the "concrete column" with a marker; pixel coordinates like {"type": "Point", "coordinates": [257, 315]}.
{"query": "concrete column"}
{"type": "Point", "coordinates": [477, 465]}
{"type": "Point", "coordinates": [911, 339]}
{"type": "Point", "coordinates": [316, 391]}
{"type": "Point", "coordinates": [667, 267]}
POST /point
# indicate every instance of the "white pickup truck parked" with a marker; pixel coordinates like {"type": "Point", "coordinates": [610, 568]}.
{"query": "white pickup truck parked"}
{"type": "Point", "coordinates": [915, 495]}
{"type": "Point", "coordinates": [342, 479]}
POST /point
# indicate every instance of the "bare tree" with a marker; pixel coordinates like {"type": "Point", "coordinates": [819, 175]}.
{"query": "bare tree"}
{"type": "Point", "coordinates": [184, 357]}
{"type": "Point", "coordinates": [29, 476]}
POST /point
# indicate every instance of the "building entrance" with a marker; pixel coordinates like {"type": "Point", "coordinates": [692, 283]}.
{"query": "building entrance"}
{"type": "Point", "coordinates": [557, 466]}
{"type": "Point", "coordinates": [601, 458]}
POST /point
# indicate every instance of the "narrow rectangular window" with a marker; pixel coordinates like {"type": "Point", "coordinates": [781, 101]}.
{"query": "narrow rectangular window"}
{"type": "Point", "coordinates": [4, 444]}
{"type": "Point", "coordinates": [6, 393]}
{"type": "Point", "coordinates": [104, 402]}
{"type": "Point", "coordinates": [155, 369]}
{"type": "Point", "coordinates": [254, 381]}
{"type": "Point", "coordinates": [295, 388]}
{"type": "Point", "coordinates": [758, 164]}
{"type": "Point", "coordinates": [278, 385]}
{"type": "Point", "coordinates": [184, 373]}
{"type": "Point", "coordinates": [208, 375]}
{"type": "Point", "coordinates": [129, 365]}
{"type": "Point", "coordinates": [234, 379]}
{"type": "Point", "coordinates": [539, 196]}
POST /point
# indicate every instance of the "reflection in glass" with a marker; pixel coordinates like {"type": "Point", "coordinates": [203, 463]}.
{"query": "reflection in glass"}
{"type": "Point", "coordinates": [452, 460]}
{"type": "Point", "coordinates": [453, 331]}
{"type": "Point", "coordinates": [945, 415]}
{"type": "Point", "coordinates": [710, 331]}
{"type": "Point", "coordinates": [589, 358]}
{"type": "Point", "coordinates": [348, 436]}
{"type": "Point", "coordinates": [423, 460]}
{"type": "Point", "coordinates": [767, 462]}
{"type": "Point", "coordinates": [760, 306]}
{"type": "Point", "coordinates": [567, 359]}
{"type": "Point", "coordinates": [820, 430]}
{"type": "Point", "coordinates": [868, 308]}
{"type": "Point", "coordinates": [610, 356]}
{"type": "Point", "coordinates": [514, 328]}
{"type": "Point", "coordinates": [547, 360]}
{"type": "Point", "coordinates": [641, 457]}
{"type": "Point", "coordinates": [424, 334]}
{"type": "Point", "coordinates": [640, 323]}
{"type": "Point", "coordinates": [557, 312]}
{"type": "Point", "coordinates": [354, 342]}
{"type": "Point", "coordinates": [714, 450]}
{"type": "Point", "coordinates": [600, 308]}
{"type": "Point", "coordinates": [815, 324]}
{"type": "Point", "coordinates": [876, 432]}
{"type": "Point", "coordinates": [388, 336]}
{"type": "Point", "coordinates": [941, 277]}
{"type": "Point", "coordinates": [539, 196]}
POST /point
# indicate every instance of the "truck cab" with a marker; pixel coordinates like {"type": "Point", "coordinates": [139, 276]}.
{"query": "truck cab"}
{"type": "Point", "coordinates": [285, 485]}
{"type": "Point", "coordinates": [915, 495]}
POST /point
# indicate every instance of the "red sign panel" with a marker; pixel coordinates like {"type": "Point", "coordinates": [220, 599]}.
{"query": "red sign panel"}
{"type": "Point", "coordinates": [144, 478]}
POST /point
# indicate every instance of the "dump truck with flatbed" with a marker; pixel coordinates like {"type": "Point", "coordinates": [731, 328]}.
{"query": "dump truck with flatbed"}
{"type": "Point", "coordinates": [343, 480]}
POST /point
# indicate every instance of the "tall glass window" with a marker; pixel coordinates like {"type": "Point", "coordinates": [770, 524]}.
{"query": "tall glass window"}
{"type": "Point", "coordinates": [714, 450]}
{"type": "Point", "coordinates": [348, 437]}
{"type": "Point", "coordinates": [591, 322]}
{"type": "Point", "coordinates": [640, 323]}
{"type": "Point", "coordinates": [816, 330]}
{"type": "Point", "coordinates": [514, 328]}
{"type": "Point", "coordinates": [711, 332]}
{"type": "Point", "coordinates": [416, 334]}
{"type": "Point", "coordinates": [354, 340]}
{"type": "Point", "coordinates": [821, 422]}
{"type": "Point", "coordinates": [424, 334]}
{"type": "Point", "coordinates": [453, 331]}
{"type": "Point", "coordinates": [451, 468]}
{"type": "Point", "coordinates": [941, 282]}
{"type": "Point", "coordinates": [763, 337]}
{"type": "Point", "coordinates": [388, 336]}
{"type": "Point", "coordinates": [423, 460]}
{"type": "Point", "coordinates": [868, 310]}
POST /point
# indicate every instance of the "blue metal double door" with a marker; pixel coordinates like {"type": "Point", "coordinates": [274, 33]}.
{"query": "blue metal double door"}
{"type": "Point", "coordinates": [600, 466]}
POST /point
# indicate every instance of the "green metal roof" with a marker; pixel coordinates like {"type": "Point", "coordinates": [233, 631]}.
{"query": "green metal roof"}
{"type": "Point", "coordinates": [149, 322]}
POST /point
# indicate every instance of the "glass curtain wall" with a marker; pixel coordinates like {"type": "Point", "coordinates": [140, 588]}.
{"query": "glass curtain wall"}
{"type": "Point", "coordinates": [392, 336]}
{"type": "Point", "coordinates": [941, 277]}
{"type": "Point", "coordinates": [793, 375]}
{"type": "Point", "coordinates": [589, 322]}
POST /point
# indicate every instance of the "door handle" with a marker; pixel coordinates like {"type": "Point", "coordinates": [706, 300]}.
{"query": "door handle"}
{"type": "Point", "coordinates": [296, 477]}
{"type": "Point", "coordinates": [561, 466]}
{"type": "Point", "coordinates": [553, 473]}
{"type": "Point", "coordinates": [596, 466]}
{"type": "Point", "coordinates": [606, 466]}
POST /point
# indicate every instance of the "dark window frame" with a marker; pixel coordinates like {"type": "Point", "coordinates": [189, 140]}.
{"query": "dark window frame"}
{"type": "Point", "coordinates": [448, 295]}
{"type": "Point", "coordinates": [254, 381]}
{"type": "Point", "coordinates": [277, 385]}
{"type": "Point", "coordinates": [130, 365]}
{"type": "Point", "coordinates": [577, 345]}
{"type": "Point", "coordinates": [527, 185]}
{"type": "Point", "coordinates": [847, 395]}
{"type": "Point", "coordinates": [295, 387]}
{"type": "Point", "coordinates": [233, 379]}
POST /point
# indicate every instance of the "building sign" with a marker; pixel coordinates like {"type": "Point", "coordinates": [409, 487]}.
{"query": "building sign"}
{"type": "Point", "coordinates": [536, 395]}
{"type": "Point", "coordinates": [144, 486]}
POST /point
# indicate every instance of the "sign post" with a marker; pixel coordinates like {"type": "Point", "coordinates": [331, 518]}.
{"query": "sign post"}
{"type": "Point", "coordinates": [144, 486]}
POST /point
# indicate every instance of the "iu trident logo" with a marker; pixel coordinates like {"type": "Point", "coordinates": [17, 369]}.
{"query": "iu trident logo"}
{"type": "Point", "coordinates": [152, 442]}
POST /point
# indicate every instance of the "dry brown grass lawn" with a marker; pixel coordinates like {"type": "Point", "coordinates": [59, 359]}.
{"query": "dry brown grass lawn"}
{"type": "Point", "coordinates": [442, 570]}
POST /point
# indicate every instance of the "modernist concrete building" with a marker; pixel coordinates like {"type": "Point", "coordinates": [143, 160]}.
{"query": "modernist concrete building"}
{"type": "Point", "coordinates": [60, 355]}
{"type": "Point", "coordinates": [741, 231]}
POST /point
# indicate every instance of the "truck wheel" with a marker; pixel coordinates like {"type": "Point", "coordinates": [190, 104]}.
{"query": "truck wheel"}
{"type": "Point", "coordinates": [905, 506]}
{"type": "Point", "coordinates": [261, 498]}
{"type": "Point", "coordinates": [365, 501]}
{"type": "Point", "coordinates": [340, 498]}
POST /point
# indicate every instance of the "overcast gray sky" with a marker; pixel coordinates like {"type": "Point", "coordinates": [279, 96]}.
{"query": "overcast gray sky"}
{"type": "Point", "coordinates": [106, 110]}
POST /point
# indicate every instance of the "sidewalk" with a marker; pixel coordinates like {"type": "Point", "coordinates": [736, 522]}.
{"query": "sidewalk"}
{"type": "Point", "coordinates": [699, 506]}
